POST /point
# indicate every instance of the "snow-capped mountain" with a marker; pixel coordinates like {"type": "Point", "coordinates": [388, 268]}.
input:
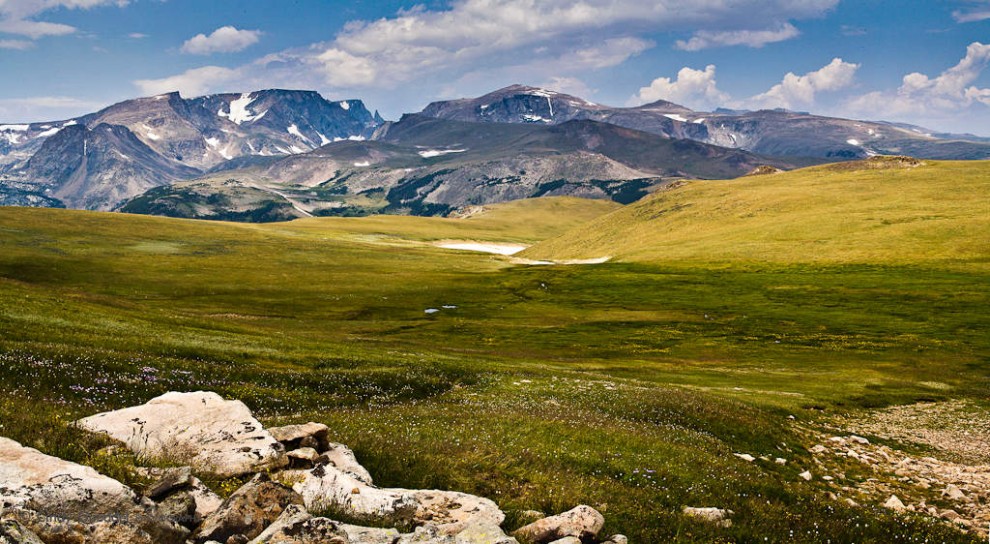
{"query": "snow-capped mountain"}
{"type": "Point", "coordinates": [769, 132]}
{"type": "Point", "coordinates": [156, 140]}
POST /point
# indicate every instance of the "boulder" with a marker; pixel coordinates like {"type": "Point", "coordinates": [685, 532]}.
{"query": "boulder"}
{"type": "Point", "coordinates": [12, 532]}
{"type": "Point", "coordinates": [718, 516]}
{"type": "Point", "coordinates": [180, 507]}
{"type": "Point", "coordinates": [54, 490]}
{"type": "Point", "coordinates": [567, 540]}
{"type": "Point", "coordinates": [341, 457]}
{"type": "Point", "coordinates": [328, 488]}
{"type": "Point", "coordinates": [307, 435]}
{"type": "Point", "coordinates": [297, 526]}
{"type": "Point", "coordinates": [617, 539]}
{"type": "Point", "coordinates": [583, 522]}
{"type": "Point", "coordinates": [248, 511]}
{"type": "Point", "coordinates": [200, 429]}
{"type": "Point", "coordinates": [207, 501]}
{"type": "Point", "coordinates": [894, 503]}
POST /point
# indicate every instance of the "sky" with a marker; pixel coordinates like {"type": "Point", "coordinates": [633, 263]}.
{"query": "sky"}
{"type": "Point", "coordinates": [922, 62]}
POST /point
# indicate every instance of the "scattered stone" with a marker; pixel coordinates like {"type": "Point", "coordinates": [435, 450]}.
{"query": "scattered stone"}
{"type": "Point", "coordinates": [859, 440]}
{"type": "Point", "coordinates": [47, 489]}
{"type": "Point", "coordinates": [818, 449]}
{"type": "Point", "coordinates": [718, 516]}
{"type": "Point", "coordinates": [617, 539]}
{"type": "Point", "coordinates": [950, 515]}
{"type": "Point", "coordinates": [248, 511]}
{"type": "Point", "coordinates": [567, 540]}
{"type": "Point", "coordinates": [780, 461]}
{"type": "Point", "coordinates": [953, 492]}
{"type": "Point", "coordinates": [307, 435]}
{"type": "Point", "coordinates": [806, 476]}
{"type": "Point", "coordinates": [583, 522]}
{"type": "Point", "coordinates": [745, 457]}
{"type": "Point", "coordinates": [894, 504]}
{"type": "Point", "coordinates": [200, 429]}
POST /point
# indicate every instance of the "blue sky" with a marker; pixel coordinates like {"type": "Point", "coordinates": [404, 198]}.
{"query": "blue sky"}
{"type": "Point", "coordinates": [919, 62]}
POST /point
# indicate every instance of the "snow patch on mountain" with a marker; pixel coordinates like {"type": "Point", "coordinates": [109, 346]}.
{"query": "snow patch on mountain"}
{"type": "Point", "coordinates": [345, 104]}
{"type": "Point", "coordinates": [430, 153]}
{"type": "Point", "coordinates": [239, 112]}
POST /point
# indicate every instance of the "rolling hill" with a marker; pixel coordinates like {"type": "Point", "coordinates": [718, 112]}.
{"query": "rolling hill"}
{"type": "Point", "coordinates": [886, 209]}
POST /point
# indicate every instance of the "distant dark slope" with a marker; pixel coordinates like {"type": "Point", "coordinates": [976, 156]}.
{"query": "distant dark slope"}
{"type": "Point", "coordinates": [98, 168]}
{"type": "Point", "coordinates": [429, 166]}
{"type": "Point", "coordinates": [777, 133]}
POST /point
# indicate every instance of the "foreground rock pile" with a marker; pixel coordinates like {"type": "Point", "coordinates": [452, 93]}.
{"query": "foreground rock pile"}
{"type": "Point", "coordinates": [298, 474]}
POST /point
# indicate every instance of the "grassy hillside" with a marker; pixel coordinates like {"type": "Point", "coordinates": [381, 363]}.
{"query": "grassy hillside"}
{"type": "Point", "coordinates": [933, 213]}
{"type": "Point", "coordinates": [625, 386]}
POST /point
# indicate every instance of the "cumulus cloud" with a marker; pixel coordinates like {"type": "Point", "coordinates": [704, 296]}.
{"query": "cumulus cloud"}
{"type": "Point", "coordinates": [980, 11]}
{"type": "Point", "coordinates": [705, 39]}
{"type": "Point", "coordinates": [693, 88]}
{"type": "Point", "coordinates": [16, 44]}
{"type": "Point", "coordinates": [225, 39]}
{"type": "Point", "coordinates": [799, 91]}
{"type": "Point", "coordinates": [17, 16]}
{"type": "Point", "coordinates": [524, 37]}
{"type": "Point", "coordinates": [193, 82]}
{"type": "Point", "coordinates": [919, 94]}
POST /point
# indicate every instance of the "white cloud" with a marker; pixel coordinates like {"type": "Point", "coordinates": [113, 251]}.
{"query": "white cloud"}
{"type": "Point", "coordinates": [16, 44]}
{"type": "Point", "coordinates": [979, 12]}
{"type": "Point", "coordinates": [705, 39]}
{"type": "Point", "coordinates": [193, 82]}
{"type": "Point", "coordinates": [799, 91]}
{"type": "Point", "coordinates": [567, 85]}
{"type": "Point", "coordinates": [225, 39]}
{"type": "Point", "coordinates": [16, 16]}
{"type": "Point", "coordinates": [14, 110]}
{"type": "Point", "coordinates": [920, 95]}
{"type": "Point", "coordinates": [692, 88]}
{"type": "Point", "coordinates": [137, 36]}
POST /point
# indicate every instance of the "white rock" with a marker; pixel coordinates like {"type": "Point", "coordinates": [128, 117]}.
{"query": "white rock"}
{"type": "Point", "coordinates": [953, 492]}
{"type": "Point", "coordinates": [199, 429]}
{"type": "Point", "coordinates": [818, 449]}
{"type": "Point", "coordinates": [719, 516]}
{"type": "Point", "coordinates": [780, 461]}
{"type": "Point", "coordinates": [341, 457]}
{"type": "Point", "coordinates": [806, 475]}
{"type": "Point", "coordinates": [583, 522]}
{"type": "Point", "coordinates": [50, 487]}
{"type": "Point", "coordinates": [745, 457]}
{"type": "Point", "coordinates": [894, 503]}
{"type": "Point", "coordinates": [858, 439]}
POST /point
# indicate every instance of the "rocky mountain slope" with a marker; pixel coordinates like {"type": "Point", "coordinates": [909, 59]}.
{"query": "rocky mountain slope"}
{"type": "Point", "coordinates": [769, 132]}
{"type": "Point", "coordinates": [147, 142]}
{"type": "Point", "coordinates": [428, 166]}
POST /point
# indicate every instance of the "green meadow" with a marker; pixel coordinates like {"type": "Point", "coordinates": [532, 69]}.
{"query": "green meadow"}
{"type": "Point", "coordinates": [627, 385]}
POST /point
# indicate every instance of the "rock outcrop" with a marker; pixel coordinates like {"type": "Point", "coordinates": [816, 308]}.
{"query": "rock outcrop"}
{"type": "Point", "coordinates": [51, 496]}
{"type": "Point", "coordinates": [199, 429]}
{"type": "Point", "coordinates": [582, 522]}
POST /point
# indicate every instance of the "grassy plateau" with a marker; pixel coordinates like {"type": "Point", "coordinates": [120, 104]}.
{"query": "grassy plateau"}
{"type": "Point", "coordinates": [736, 316]}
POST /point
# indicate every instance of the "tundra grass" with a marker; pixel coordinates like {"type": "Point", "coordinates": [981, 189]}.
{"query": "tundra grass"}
{"type": "Point", "coordinates": [626, 386]}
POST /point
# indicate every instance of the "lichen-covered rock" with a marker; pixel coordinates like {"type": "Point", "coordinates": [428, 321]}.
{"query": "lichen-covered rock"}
{"type": "Point", "coordinates": [341, 457]}
{"type": "Point", "coordinates": [54, 490]}
{"type": "Point", "coordinates": [297, 526]}
{"type": "Point", "coordinates": [12, 532]}
{"type": "Point", "coordinates": [200, 429]}
{"type": "Point", "coordinates": [718, 516]}
{"type": "Point", "coordinates": [583, 522]}
{"type": "Point", "coordinates": [247, 512]}
{"type": "Point", "coordinates": [370, 535]}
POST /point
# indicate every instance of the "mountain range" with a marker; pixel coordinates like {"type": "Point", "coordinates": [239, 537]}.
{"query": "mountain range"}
{"type": "Point", "coordinates": [279, 154]}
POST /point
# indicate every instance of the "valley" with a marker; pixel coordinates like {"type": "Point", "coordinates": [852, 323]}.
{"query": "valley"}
{"type": "Point", "coordinates": [638, 386]}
